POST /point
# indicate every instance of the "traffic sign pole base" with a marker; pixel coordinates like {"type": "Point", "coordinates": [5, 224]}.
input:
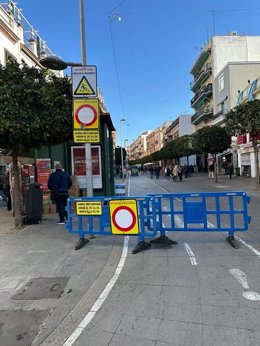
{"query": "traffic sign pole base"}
{"type": "Point", "coordinates": [142, 245]}
{"type": "Point", "coordinates": [232, 241]}
{"type": "Point", "coordinates": [163, 239]}
{"type": "Point", "coordinates": [81, 243]}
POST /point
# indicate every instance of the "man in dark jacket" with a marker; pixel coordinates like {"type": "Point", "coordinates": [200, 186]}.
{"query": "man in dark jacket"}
{"type": "Point", "coordinates": [60, 182]}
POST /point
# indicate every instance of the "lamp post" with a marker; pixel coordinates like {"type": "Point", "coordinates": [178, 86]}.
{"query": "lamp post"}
{"type": "Point", "coordinates": [55, 63]}
{"type": "Point", "coordinates": [122, 158]}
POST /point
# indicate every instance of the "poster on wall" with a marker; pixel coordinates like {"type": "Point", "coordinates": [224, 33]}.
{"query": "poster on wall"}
{"type": "Point", "coordinates": [79, 166]}
{"type": "Point", "coordinates": [43, 171]}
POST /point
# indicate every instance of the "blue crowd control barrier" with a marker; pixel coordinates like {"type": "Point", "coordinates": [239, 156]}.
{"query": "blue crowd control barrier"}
{"type": "Point", "coordinates": [92, 216]}
{"type": "Point", "coordinates": [158, 213]}
{"type": "Point", "coordinates": [201, 212]}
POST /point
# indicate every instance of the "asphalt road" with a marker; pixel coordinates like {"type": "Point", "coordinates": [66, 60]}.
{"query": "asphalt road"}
{"type": "Point", "coordinates": [199, 292]}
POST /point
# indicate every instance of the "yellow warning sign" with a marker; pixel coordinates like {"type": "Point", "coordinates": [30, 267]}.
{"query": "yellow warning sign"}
{"type": "Point", "coordinates": [86, 136]}
{"type": "Point", "coordinates": [84, 88]}
{"type": "Point", "coordinates": [86, 113]}
{"type": "Point", "coordinates": [124, 216]}
{"type": "Point", "coordinates": [89, 208]}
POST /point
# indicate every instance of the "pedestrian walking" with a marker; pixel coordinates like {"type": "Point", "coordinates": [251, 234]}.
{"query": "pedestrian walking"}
{"type": "Point", "coordinates": [211, 171]}
{"type": "Point", "coordinates": [180, 172]}
{"type": "Point", "coordinates": [175, 172]}
{"type": "Point", "coordinates": [151, 172]}
{"type": "Point", "coordinates": [230, 170]}
{"type": "Point", "coordinates": [168, 172]}
{"type": "Point", "coordinates": [59, 183]}
{"type": "Point", "coordinates": [157, 171]}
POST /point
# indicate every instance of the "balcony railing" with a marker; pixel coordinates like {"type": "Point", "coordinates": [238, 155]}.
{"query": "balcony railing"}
{"type": "Point", "coordinates": [201, 78]}
{"type": "Point", "coordinates": [204, 92]}
{"type": "Point", "coordinates": [202, 114]}
{"type": "Point", "coordinates": [200, 61]}
{"type": "Point", "coordinates": [31, 38]}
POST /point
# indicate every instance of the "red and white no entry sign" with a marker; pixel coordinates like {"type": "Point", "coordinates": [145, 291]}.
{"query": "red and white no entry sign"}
{"type": "Point", "coordinates": [123, 215]}
{"type": "Point", "coordinates": [86, 113]}
{"type": "Point", "coordinates": [124, 218]}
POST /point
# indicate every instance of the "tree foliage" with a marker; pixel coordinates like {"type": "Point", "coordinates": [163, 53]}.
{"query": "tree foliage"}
{"type": "Point", "coordinates": [118, 159]}
{"type": "Point", "coordinates": [212, 139]}
{"type": "Point", "coordinates": [35, 110]}
{"type": "Point", "coordinates": [243, 119]}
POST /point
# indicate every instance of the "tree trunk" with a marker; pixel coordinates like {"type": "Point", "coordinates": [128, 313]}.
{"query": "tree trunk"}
{"type": "Point", "coordinates": [257, 173]}
{"type": "Point", "coordinates": [16, 195]}
{"type": "Point", "coordinates": [215, 169]}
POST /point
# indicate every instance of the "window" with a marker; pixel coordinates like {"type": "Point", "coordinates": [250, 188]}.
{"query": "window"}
{"type": "Point", "coordinates": [9, 56]}
{"type": "Point", "coordinates": [221, 82]}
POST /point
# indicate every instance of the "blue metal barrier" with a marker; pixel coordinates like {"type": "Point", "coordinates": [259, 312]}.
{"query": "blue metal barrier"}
{"type": "Point", "coordinates": [159, 213]}
{"type": "Point", "coordinates": [92, 216]}
{"type": "Point", "coordinates": [201, 212]}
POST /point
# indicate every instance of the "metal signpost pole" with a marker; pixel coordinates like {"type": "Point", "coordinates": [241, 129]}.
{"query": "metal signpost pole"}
{"type": "Point", "coordinates": [84, 62]}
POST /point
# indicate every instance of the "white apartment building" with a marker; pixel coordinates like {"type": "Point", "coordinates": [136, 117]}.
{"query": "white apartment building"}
{"type": "Point", "coordinates": [209, 77]}
{"type": "Point", "coordinates": [18, 38]}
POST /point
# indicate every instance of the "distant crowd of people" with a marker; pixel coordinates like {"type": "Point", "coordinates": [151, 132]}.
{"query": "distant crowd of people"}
{"type": "Point", "coordinates": [175, 172]}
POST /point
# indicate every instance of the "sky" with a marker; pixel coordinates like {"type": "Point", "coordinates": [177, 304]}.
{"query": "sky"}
{"type": "Point", "coordinates": [143, 60]}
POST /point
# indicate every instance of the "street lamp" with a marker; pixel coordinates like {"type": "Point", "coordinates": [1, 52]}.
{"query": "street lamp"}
{"type": "Point", "coordinates": [122, 159]}
{"type": "Point", "coordinates": [55, 63]}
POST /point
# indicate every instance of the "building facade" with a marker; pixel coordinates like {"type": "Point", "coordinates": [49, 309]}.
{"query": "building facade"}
{"type": "Point", "coordinates": [246, 157]}
{"type": "Point", "coordinates": [224, 64]}
{"type": "Point", "coordinates": [215, 55]}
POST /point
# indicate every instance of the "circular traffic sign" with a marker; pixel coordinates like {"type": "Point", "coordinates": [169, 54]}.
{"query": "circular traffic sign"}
{"type": "Point", "coordinates": [124, 218]}
{"type": "Point", "coordinates": [86, 115]}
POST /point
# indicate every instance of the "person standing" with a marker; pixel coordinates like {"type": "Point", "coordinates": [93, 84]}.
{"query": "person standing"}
{"type": "Point", "coordinates": [175, 172]}
{"type": "Point", "coordinates": [211, 171]}
{"type": "Point", "coordinates": [151, 171]}
{"type": "Point", "coordinates": [59, 183]}
{"type": "Point", "coordinates": [180, 172]}
{"type": "Point", "coordinates": [230, 170]}
{"type": "Point", "coordinates": [7, 190]}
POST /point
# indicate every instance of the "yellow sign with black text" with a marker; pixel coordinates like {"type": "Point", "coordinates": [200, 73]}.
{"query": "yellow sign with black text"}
{"type": "Point", "coordinates": [86, 136]}
{"type": "Point", "coordinates": [89, 208]}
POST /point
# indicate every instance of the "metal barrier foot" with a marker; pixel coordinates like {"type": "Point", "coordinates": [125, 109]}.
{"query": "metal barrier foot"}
{"type": "Point", "coordinates": [232, 241]}
{"type": "Point", "coordinates": [142, 245]}
{"type": "Point", "coordinates": [163, 239]}
{"type": "Point", "coordinates": [81, 243]}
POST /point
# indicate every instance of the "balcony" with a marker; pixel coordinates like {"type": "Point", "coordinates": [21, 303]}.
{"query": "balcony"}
{"type": "Point", "coordinates": [204, 92]}
{"type": "Point", "coordinates": [241, 139]}
{"type": "Point", "coordinates": [202, 114]}
{"type": "Point", "coordinates": [200, 61]}
{"type": "Point", "coordinates": [201, 78]}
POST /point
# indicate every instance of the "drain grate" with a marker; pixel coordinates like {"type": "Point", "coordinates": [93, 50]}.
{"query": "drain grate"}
{"type": "Point", "coordinates": [42, 288]}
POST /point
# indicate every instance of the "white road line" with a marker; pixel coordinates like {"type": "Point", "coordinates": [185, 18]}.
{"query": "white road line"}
{"type": "Point", "coordinates": [103, 296]}
{"type": "Point", "coordinates": [191, 254]}
{"type": "Point", "coordinates": [101, 299]}
{"type": "Point", "coordinates": [249, 246]}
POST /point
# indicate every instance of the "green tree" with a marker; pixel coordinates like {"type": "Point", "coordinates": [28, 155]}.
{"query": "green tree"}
{"type": "Point", "coordinates": [212, 140]}
{"type": "Point", "coordinates": [35, 110]}
{"type": "Point", "coordinates": [243, 119]}
{"type": "Point", "coordinates": [118, 159]}
{"type": "Point", "coordinates": [185, 146]}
